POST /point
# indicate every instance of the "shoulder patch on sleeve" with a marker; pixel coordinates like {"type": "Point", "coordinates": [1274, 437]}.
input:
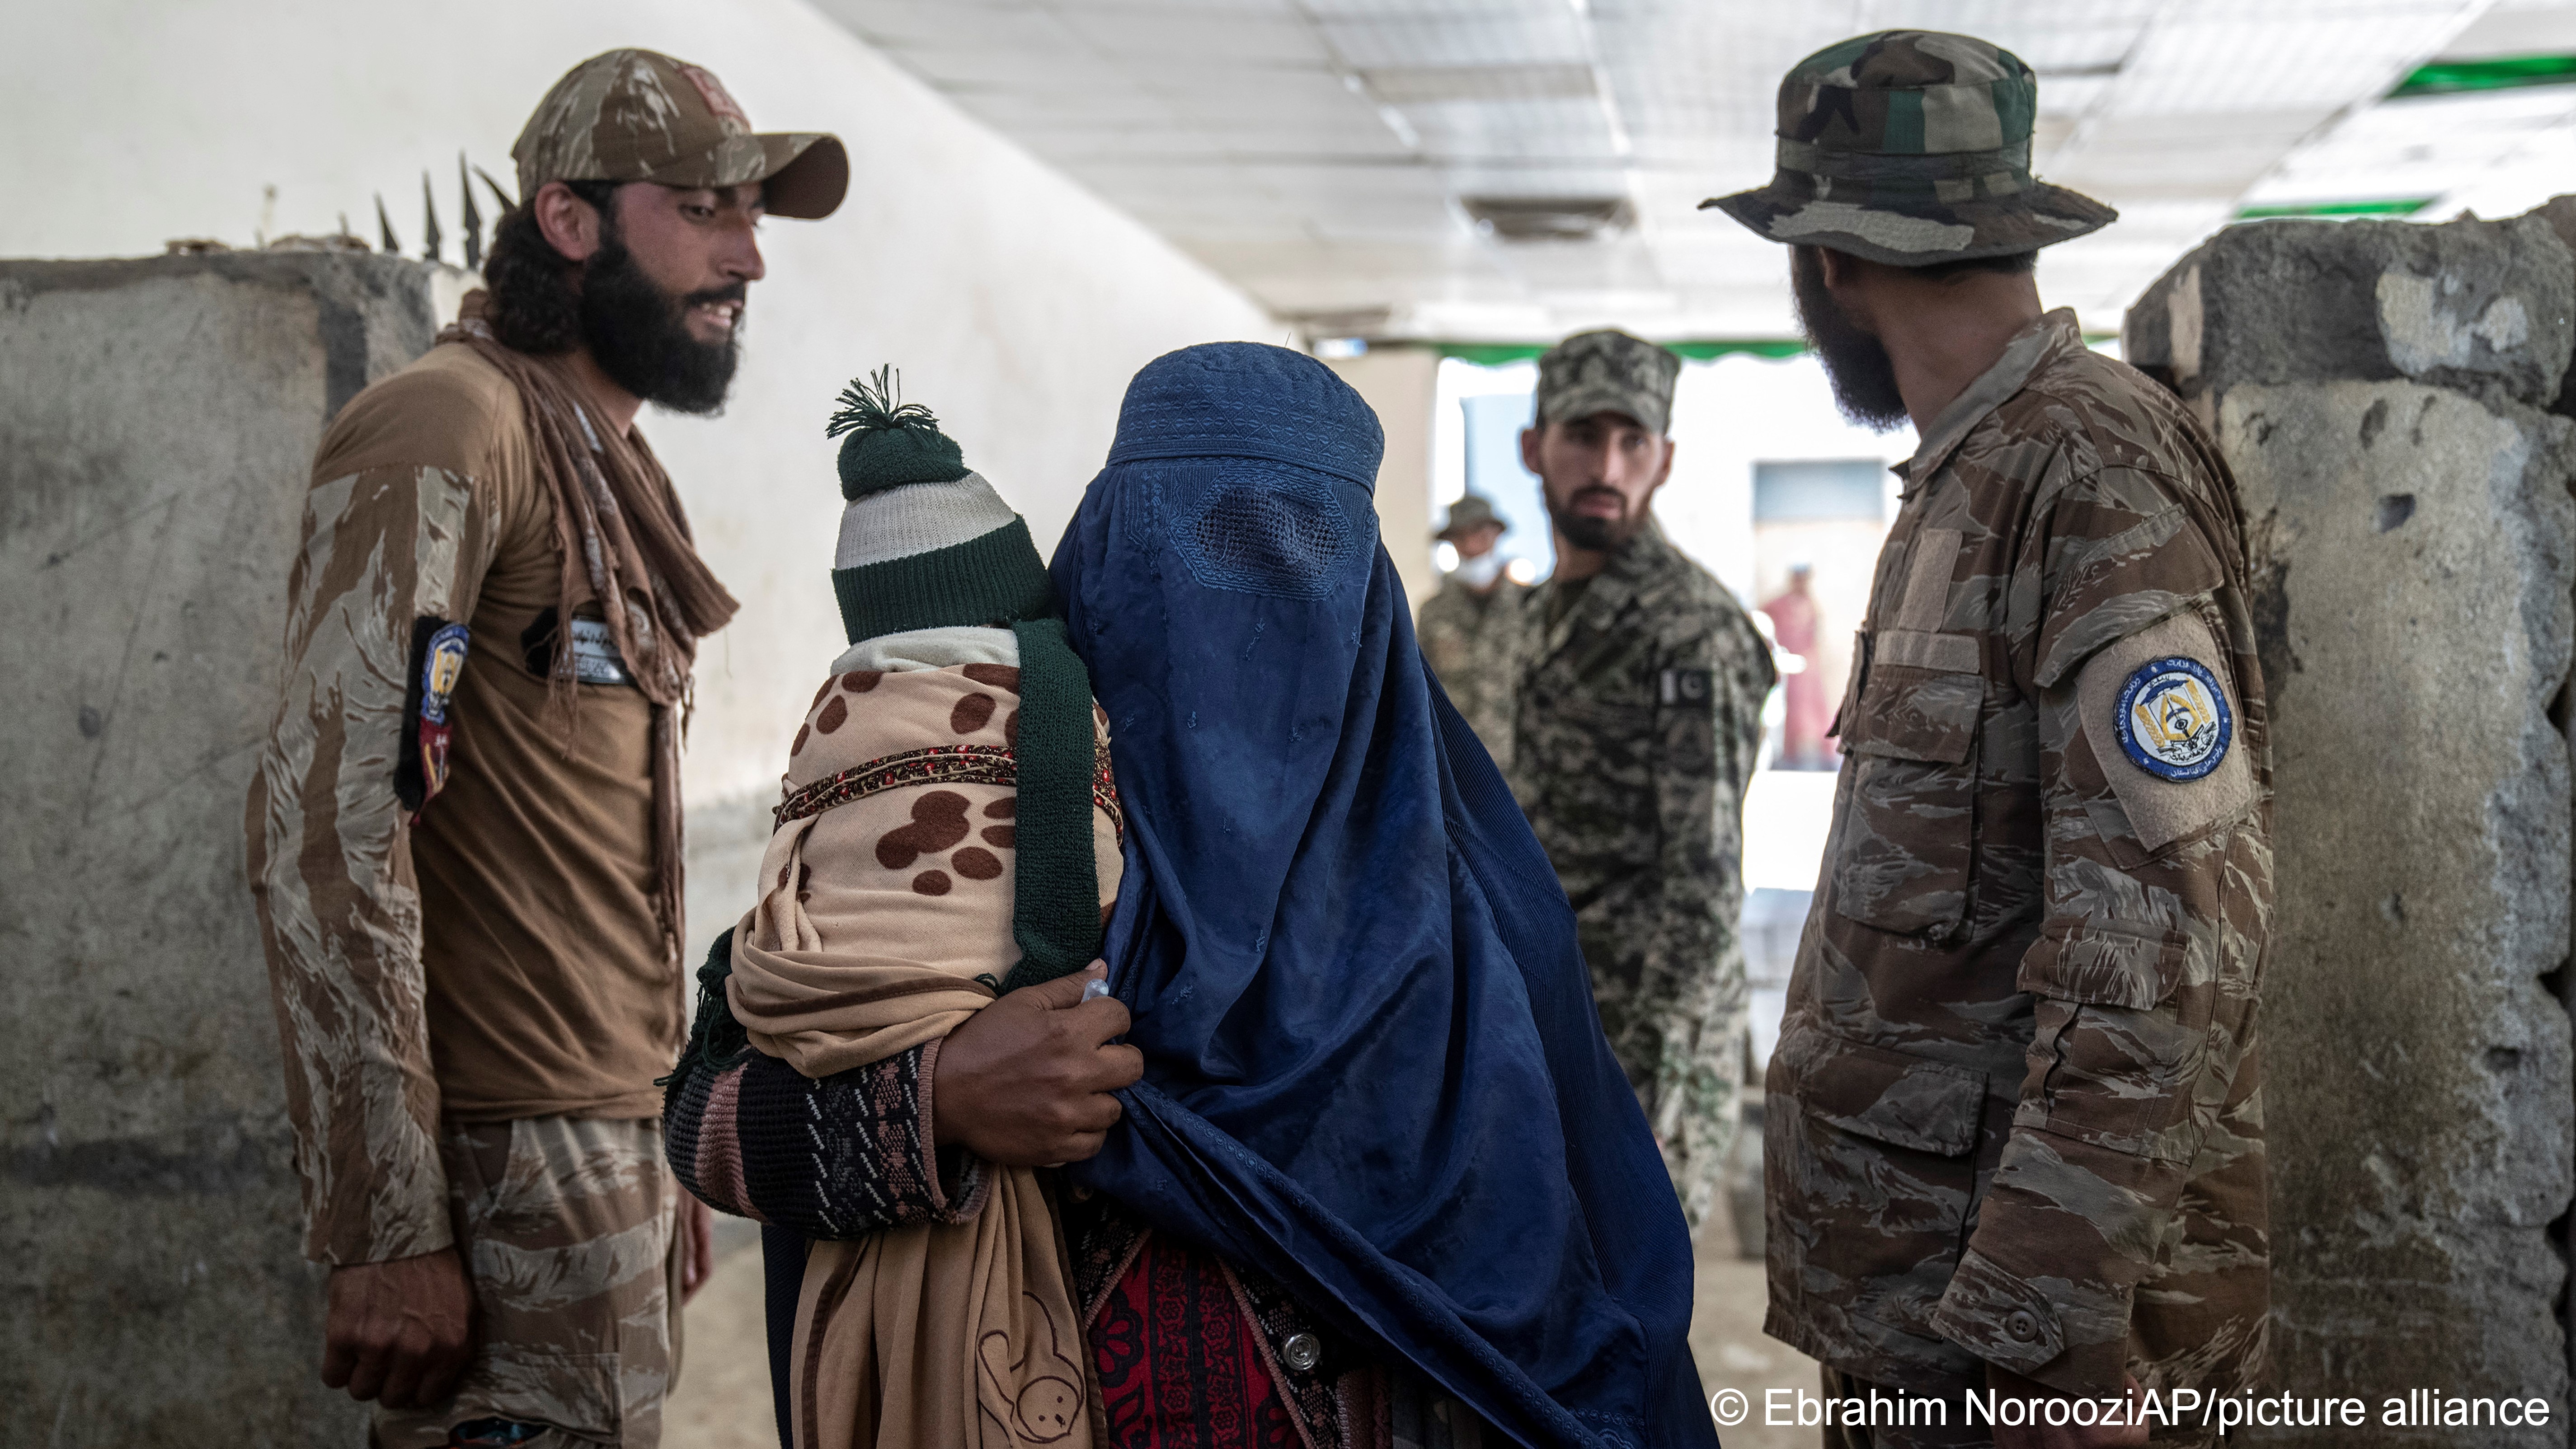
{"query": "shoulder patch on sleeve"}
{"type": "Point", "coordinates": [2172, 719]}
{"type": "Point", "coordinates": [1685, 686]}
{"type": "Point", "coordinates": [437, 662]}
{"type": "Point", "coordinates": [2163, 725]}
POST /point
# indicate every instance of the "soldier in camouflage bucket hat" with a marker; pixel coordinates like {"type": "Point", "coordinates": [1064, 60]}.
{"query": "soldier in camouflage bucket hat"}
{"type": "Point", "coordinates": [2013, 1126]}
{"type": "Point", "coordinates": [1911, 147]}
{"type": "Point", "coordinates": [636, 115]}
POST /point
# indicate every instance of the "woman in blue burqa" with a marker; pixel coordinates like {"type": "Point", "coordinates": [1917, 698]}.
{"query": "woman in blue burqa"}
{"type": "Point", "coordinates": [1381, 1182]}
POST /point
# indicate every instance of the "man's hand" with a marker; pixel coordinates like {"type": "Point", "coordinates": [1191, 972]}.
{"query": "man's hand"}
{"type": "Point", "coordinates": [1026, 1081]}
{"type": "Point", "coordinates": [694, 1227]}
{"type": "Point", "coordinates": [2131, 1433]}
{"type": "Point", "coordinates": [400, 1332]}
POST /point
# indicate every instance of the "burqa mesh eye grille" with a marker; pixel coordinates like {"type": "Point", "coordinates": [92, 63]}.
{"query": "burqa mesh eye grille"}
{"type": "Point", "coordinates": [1282, 536]}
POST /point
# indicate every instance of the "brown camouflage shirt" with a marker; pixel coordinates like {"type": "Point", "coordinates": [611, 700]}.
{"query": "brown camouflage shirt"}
{"type": "Point", "coordinates": [497, 955]}
{"type": "Point", "coordinates": [1637, 723]}
{"type": "Point", "coordinates": [2015, 1113]}
{"type": "Point", "coordinates": [1471, 642]}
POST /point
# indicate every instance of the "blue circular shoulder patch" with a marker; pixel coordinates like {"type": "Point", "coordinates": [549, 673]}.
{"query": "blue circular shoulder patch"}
{"type": "Point", "coordinates": [2173, 720]}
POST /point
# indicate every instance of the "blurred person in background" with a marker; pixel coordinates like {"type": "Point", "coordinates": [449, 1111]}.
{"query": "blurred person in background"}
{"type": "Point", "coordinates": [465, 829]}
{"type": "Point", "coordinates": [1469, 630]}
{"type": "Point", "coordinates": [1796, 624]}
{"type": "Point", "coordinates": [1638, 721]}
{"type": "Point", "coordinates": [2015, 1133]}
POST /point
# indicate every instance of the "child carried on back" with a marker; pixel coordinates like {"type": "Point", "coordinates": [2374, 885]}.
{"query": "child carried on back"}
{"type": "Point", "coordinates": [949, 832]}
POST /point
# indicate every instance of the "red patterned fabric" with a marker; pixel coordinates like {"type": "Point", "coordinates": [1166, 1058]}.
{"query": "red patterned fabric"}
{"type": "Point", "coordinates": [1180, 1367]}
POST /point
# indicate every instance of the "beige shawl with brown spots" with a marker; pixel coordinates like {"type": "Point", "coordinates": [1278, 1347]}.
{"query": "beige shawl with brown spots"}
{"type": "Point", "coordinates": [886, 907]}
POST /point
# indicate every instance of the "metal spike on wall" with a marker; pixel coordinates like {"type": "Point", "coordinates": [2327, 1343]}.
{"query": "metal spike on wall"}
{"type": "Point", "coordinates": [385, 229]}
{"type": "Point", "coordinates": [507, 203]}
{"type": "Point", "coordinates": [429, 221]}
{"type": "Point", "coordinates": [473, 218]}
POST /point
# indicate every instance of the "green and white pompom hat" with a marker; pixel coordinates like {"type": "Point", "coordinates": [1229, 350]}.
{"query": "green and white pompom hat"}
{"type": "Point", "coordinates": [925, 542]}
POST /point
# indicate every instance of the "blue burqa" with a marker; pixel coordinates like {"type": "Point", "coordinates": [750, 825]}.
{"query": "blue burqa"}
{"type": "Point", "coordinates": [1372, 1066]}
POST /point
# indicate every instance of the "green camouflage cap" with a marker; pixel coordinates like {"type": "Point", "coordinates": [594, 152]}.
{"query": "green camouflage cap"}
{"type": "Point", "coordinates": [1911, 147]}
{"type": "Point", "coordinates": [1472, 512]}
{"type": "Point", "coordinates": [1607, 371]}
{"type": "Point", "coordinates": [635, 115]}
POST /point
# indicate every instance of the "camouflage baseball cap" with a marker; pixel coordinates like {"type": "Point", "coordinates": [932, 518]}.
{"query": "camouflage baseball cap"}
{"type": "Point", "coordinates": [1607, 371]}
{"type": "Point", "coordinates": [1469, 513]}
{"type": "Point", "coordinates": [635, 115]}
{"type": "Point", "coordinates": [1911, 147]}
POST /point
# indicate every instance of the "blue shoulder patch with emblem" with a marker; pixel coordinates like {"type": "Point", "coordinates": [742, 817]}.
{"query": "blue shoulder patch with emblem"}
{"type": "Point", "coordinates": [2172, 720]}
{"type": "Point", "coordinates": [437, 662]}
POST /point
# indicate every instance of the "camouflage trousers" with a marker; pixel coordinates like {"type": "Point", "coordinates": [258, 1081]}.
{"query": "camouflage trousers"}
{"type": "Point", "coordinates": [1906, 1419]}
{"type": "Point", "coordinates": [1681, 1042]}
{"type": "Point", "coordinates": [565, 1227]}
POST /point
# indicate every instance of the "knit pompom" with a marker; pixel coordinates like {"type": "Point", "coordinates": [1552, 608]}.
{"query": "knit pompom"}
{"type": "Point", "coordinates": [890, 443]}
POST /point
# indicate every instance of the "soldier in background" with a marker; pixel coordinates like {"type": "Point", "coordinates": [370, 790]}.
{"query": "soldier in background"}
{"type": "Point", "coordinates": [464, 834]}
{"type": "Point", "coordinates": [1468, 629]}
{"type": "Point", "coordinates": [2015, 1135]}
{"type": "Point", "coordinates": [1638, 722]}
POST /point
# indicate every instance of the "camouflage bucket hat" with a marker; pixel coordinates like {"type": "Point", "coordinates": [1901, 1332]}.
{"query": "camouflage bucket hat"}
{"type": "Point", "coordinates": [635, 115]}
{"type": "Point", "coordinates": [1911, 147]}
{"type": "Point", "coordinates": [1471, 512]}
{"type": "Point", "coordinates": [1608, 372]}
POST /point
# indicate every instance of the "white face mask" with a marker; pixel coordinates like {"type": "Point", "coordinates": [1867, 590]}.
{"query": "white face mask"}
{"type": "Point", "coordinates": [1477, 572]}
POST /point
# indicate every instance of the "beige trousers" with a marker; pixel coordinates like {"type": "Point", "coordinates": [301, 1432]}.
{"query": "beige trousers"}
{"type": "Point", "coordinates": [565, 1227]}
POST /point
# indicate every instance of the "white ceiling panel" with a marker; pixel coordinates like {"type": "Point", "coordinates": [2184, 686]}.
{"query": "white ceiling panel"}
{"type": "Point", "coordinates": [1321, 152]}
{"type": "Point", "coordinates": [1553, 35]}
{"type": "Point", "coordinates": [1199, 37]}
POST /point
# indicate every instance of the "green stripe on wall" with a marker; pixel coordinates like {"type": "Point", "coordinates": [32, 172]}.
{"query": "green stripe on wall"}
{"type": "Point", "coordinates": [1495, 354]}
{"type": "Point", "coordinates": [2446, 77]}
{"type": "Point", "coordinates": [2394, 206]}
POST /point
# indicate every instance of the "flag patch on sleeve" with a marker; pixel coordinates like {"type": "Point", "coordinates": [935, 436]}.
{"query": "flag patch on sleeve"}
{"type": "Point", "coordinates": [438, 661]}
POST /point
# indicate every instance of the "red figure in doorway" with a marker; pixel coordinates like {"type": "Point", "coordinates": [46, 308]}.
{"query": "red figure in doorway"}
{"type": "Point", "coordinates": [1796, 622]}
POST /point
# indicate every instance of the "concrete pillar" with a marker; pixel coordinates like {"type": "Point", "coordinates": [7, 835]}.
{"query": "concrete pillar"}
{"type": "Point", "coordinates": [1402, 384]}
{"type": "Point", "coordinates": [157, 421]}
{"type": "Point", "coordinates": [2386, 394]}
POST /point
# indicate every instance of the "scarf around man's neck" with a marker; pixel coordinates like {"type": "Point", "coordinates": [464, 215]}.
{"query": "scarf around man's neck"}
{"type": "Point", "coordinates": [625, 544]}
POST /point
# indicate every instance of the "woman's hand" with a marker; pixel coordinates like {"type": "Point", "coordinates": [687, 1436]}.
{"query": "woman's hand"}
{"type": "Point", "coordinates": [1026, 1081]}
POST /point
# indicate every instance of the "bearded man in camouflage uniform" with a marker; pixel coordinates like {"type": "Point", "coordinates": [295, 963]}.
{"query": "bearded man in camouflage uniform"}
{"type": "Point", "coordinates": [1637, 725]}
{"type": "Point", "coordinates": [2015, 1131]}
{"type": "Point", "coordinates": [1470, 630]}
{"type": "Point", "coordinates": [464, 832]}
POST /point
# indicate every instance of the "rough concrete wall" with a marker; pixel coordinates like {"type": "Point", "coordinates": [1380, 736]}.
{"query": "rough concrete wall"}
{"type": "Point", "coordinates": [2382, 391]}
{"type": "Point", "coordinates": [157, 419]}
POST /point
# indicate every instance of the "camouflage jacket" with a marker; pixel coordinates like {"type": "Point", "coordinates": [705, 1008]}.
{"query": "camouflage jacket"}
{"type": "Point", "coordinates": [1470, 641]}
{"type": "Point", "coordinates": [1637, 724]}
{"type": "Point", "coordinates": [2014, 1113]}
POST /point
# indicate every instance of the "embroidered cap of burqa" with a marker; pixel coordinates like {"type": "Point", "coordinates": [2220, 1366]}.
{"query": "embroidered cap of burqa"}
{"type": "Point", "coordinates": [1373, 1070]}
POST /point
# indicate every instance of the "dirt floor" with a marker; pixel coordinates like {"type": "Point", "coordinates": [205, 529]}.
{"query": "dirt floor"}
{"type": "Point", "coordinates": [723, 1398]}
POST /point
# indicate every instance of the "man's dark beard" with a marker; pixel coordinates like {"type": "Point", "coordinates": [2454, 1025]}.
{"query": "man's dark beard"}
{"type": "Point", "coordinates": [639, 334]}
{"type": "Point", "coordinates": [1589, 532]}
{"type": "Point", "coordinates": [1855, 363]}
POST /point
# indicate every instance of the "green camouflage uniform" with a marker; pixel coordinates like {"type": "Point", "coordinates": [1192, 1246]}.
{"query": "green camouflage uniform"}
{"type": "Point", "coordinates": [2015, 1112]}
{"type": "Point", "coordinates": [1471, 641]}
{"type": "Point", "coordinates": [1637, 725]}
